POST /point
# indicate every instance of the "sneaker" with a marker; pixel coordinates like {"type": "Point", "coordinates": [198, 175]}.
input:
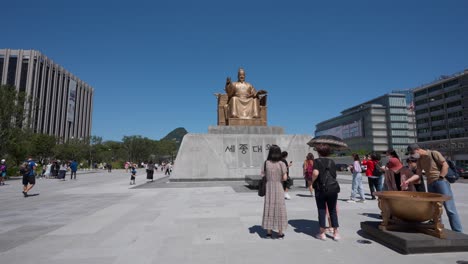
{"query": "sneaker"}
{"type": "Point", "coordinates": [281, 236]}
{"type": "Point", "coordinates": [287, 196]}
{"type": "Point", "coordinates": [321, 236]}
{"type": "Point", "coordinates": [337, 237]}
{"type": "Point", "coordinates": [361, 201]}
{"type": "Point", "coordinates": [351, 201]}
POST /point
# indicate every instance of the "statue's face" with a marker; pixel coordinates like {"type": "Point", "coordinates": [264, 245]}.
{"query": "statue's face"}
{"type": "Point", "coordinates": [241, 76]}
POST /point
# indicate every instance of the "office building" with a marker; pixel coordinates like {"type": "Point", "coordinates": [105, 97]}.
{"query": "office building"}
{"type": "Point", "coordinates": [377, 125]}
{"type": "Point", "coordinates": [441, 109]}
{"type": "Point", "coordinates": [62, 104]}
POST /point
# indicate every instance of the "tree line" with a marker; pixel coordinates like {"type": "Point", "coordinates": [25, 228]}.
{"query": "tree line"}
{"type": "Point", "coordinates": [18, 141]}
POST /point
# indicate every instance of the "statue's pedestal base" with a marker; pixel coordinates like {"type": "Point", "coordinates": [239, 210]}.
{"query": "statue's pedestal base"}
{"type": "Point", "coordinates": [246, 122]}
{"type": "Point", "coordinates": [231, 153]}
{"type": "Point", "coordinates": [415, 243]}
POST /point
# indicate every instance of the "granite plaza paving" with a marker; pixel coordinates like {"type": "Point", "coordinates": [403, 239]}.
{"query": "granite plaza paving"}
{"type": "Point", "coordinates": [100, 218]}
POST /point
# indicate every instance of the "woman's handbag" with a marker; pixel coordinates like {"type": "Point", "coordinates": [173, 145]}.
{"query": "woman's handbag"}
{"type": "Point", "coordinates": [262, 183]}
{"type": "Point", "coordinates": [262, 187]}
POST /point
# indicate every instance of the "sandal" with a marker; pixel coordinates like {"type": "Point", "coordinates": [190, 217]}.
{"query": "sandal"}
{"type": "Point", "coordinates": [321, 236]}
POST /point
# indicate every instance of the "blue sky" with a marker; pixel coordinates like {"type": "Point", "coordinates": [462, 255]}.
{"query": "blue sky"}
{"type": "Point", "coordinates": [155, 65]}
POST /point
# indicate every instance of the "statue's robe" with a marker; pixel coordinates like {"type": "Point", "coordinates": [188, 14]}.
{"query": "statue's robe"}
{"type": "Point", "coordinates": [242, 101]}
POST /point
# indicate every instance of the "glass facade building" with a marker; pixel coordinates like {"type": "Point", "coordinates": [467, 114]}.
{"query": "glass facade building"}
{"type": "Point", "coordinates": [61, 104]}
{"type": "Point", "coordinates": [379, 124]}
{"type": "Point", "coordinates": [441, 109]}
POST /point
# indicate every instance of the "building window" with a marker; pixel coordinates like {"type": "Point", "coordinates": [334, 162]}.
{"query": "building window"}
{"type": "Point", "coordinates": [438, 128]}
{"type": "Point", "coordinates": [399, 118]}
{"type": "Point", "coordinates": [422, 139]}
{"type": "Point", "coordinates": [455, 114]}
{"type": "Point", "coordinates": [1, 69]}
{"type": "Point", "coordinates": [436, 98]}
{"type": "Point", "coordinates": [453, 104]}
{"type": "Point", "coordinates": [38, 97]}
{"type": "Point", "coordinates": [439, 137]}
{"type": "Point", "coordinates": [397, 101]}
{"type": "Point", "coordinates": [422, 111]}
{"type": "Point", "coordinates": [24, 75]}
{"type": "Point", "coordinates": [451, 83]}
{"type": "Point", "coordinates": [419, 93]}
{"type": "Point", "coordinates": [423, 130]}
{"type": "Point", "coordinates": [11, 74]}
{"type": "Point", "coordinates": [437, 118]}
{"type": "Point", "coordinates": [422, 120]}
{"type": "Point", "coordinates": [434, 88]}
{"type": "Point", "coordinates": [436, 108]}
{"type": "Point", "coordinates": [398, 111]}
{"type": "Point", "coordinates": [452, 93]}
{"type": "Point", "coordinates": [399, 125]}
{"type": "Point", "coordinates": [420, 102]}
{"type": "Point", "coordinates": [400, 140]}
{"type": "Point", "coordinates": [399, 133]}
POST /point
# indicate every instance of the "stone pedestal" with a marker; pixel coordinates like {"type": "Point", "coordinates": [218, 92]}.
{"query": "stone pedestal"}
{"type": "Point", "coordinates": [246, 122]}
{"type": "Point", "coordinates": [231, 153]}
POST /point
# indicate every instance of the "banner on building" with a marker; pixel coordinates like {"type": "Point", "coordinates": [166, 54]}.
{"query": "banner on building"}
{"type": "Point", "coordinates": [71, 101]}
{"type": "Point", "coordinates": [350, 130]}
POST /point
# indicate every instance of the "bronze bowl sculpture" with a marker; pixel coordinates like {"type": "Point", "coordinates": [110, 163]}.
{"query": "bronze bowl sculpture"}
{"type": "Point", "coordinates": [412, 211]}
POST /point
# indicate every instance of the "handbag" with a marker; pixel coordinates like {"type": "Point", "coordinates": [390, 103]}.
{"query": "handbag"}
{"type": "Point", "coordinates": [262, 187]}
{"type": "Point", "coordinates": [262, 183]}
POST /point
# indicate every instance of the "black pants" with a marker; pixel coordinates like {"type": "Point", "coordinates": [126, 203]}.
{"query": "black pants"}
{"type": "Point", "coordinates": [323, 201]}
{"type": "Point", "coordinates": [72, 173]}
{"type": "Point", "coordinates": [373, 185]}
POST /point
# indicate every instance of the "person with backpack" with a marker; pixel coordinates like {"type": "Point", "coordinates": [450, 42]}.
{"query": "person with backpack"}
{"type": "Point", "coordinates": [326, 190]}
{"type": "Point", "coordinates": [436, 169]}
{"type": "Point", "coordinates": [371, 179]}
{"type": "Point", "coordinates": [377, 179]}
{"type": "Point", "coordinates": [308, 169]}
{"type": "Point", "coordinates": [28, 170]}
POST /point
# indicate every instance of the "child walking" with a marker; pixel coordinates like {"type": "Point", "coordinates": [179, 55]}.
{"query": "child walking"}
{"type": "Point", "coordinates": [133, 172]}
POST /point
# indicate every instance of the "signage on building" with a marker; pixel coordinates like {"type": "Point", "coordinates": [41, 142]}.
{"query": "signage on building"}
{"type": "Point", "coordinates": [350, 130]}
{"type": "Point", "coordinates": [71, 101]}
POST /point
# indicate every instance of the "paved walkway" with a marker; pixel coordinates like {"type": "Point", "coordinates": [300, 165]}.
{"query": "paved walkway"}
{"type": "Point", "coordinates": [100, 218]}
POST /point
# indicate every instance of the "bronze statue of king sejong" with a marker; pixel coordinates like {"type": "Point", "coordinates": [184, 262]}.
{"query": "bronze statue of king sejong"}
{"type": "Point", "coordinates": [242, 105]}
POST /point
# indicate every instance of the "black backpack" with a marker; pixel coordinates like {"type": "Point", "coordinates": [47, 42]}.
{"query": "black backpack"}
{"type": "Point", "coordinates": [376, 171]}
{"type": "Point", "coordinates": [452, 173]}
{"type": "Point", "coordinates": [326, 182]}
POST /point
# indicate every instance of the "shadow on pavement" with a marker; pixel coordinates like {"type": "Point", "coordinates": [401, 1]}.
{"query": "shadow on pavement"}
{"type": "Point", "coordinates": [304, 195]}
{"type": "Point", "coordinates": [305, 226]}
{"type": "Point", "coordinates": [371, 215]}
{"type": "Point", "coordinates": [259, 230]}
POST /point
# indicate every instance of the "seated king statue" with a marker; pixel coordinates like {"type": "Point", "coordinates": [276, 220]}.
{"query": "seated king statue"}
{"type": "Point", "coordinates": [243, 99]}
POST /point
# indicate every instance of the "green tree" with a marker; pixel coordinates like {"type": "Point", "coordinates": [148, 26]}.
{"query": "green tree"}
{"type": "Point", "coordinates": [12, 116]}
{"type": "Point", "coordinates": [42, 146]}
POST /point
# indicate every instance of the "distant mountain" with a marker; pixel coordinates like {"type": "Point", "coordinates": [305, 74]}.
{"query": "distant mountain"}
{"type": "Point", "coordinates": [176, 135]}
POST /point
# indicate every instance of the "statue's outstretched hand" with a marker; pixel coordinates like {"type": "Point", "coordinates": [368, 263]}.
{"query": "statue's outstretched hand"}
{"type": "Point", "coordinates": [228, 80]}
{"type": "Point", "coordinates": [262, 92]}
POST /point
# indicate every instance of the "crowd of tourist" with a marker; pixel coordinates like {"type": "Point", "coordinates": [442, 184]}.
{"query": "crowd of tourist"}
{"type": "Point", "coordinates": [321, 179]}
